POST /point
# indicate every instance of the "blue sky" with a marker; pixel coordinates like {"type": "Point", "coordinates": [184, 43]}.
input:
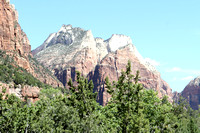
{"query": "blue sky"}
{"type": "Point", "coordinates": [166, 31]}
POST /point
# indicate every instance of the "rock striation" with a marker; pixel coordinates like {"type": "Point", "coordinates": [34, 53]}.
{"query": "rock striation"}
{"type": "Point", "coordinates": [16, 44]}
{"type": "Point", "coordinates": [12, 39]}
{"type": "Point", "coordinates": [192, 93]}
{"type": "Point", "coordinates": [72, 49]}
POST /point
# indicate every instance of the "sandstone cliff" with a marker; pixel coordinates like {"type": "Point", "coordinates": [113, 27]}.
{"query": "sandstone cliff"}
{"type": "Point", "coordinates": [72, 49]}
{"type": "Point", "coordinates": [192, 93]}
{"type": "Point", "coordinates": [12, 39]}
{"type": "Point", "coordinates": [16, 44]}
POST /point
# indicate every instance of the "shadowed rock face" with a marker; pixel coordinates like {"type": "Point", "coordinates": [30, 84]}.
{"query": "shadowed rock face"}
{"type": "Point", "coordinates": [192, 93]}
{"type": "Point", "coordinates": [72, 49]}
{"type": "Point", "coordinates": [16, 44]}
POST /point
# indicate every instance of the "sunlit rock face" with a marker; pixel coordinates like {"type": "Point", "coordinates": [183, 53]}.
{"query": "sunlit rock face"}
{"type": "Point", "coordinates": [72, 49]}
{"type": "Point", "coordinates": [16, 44]}
{"type": "Point", "coordinates": [192, 93]}
{"type": "Point", "coordinates": [12, 39]}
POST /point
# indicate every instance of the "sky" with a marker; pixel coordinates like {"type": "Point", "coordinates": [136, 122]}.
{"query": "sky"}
{"type": "Point", "coordinates": [166, 32]}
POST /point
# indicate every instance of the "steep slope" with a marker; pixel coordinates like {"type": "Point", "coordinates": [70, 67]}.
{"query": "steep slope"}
{"type": "Point", "coordinates": [14, 42]}
{"type": "Point", "coordinates": [12, 39]}
{"type": "Point", "coordinates": [192, 93]}
{"type": "Point", "coordinates": [112, 65]}
{"type": "Point", "coordinates": [72, 49]}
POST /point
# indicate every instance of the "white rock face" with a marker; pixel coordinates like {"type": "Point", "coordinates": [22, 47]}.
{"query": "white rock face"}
{"type": "Point", "coordinates": [143, 61]}
{"type": "Point", "coordinates": [65, 28]}
{"type": "Point", "coordinates": [195, 82]}
{"type": "Point", "coordinates": [117, 41]}
{"type": "Point", "coordinates": [70, 41]}
{"type": "Point", "coordinates": [102, 49]}
{"type": "Point", "coordinates": [51, 36]}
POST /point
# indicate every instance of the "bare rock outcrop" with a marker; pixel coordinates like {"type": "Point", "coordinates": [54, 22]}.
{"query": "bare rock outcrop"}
{"type": "Point", "coordinates": [29, 92]}
{"type": "Point", "coordinates": [12, 39]}
{"type": "Point", "coordinates": [16, 44]}
{"type": "Point", "coordinates": [112, 65]}
{"type": "Point", "coordinates": [72, 49]}
{"type": "Point", "coordinates": [192, 93]}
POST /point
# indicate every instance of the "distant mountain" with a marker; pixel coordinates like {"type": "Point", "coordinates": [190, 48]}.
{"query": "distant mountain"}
{"type": "Point", "coordinates": [72, 49]}
{"type": "Point", "coordinates": [192, 93]}
{"type": "Point", "coordinates": [14, 42]}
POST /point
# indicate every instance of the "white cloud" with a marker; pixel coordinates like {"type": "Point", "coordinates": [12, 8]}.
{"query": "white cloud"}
{"type": "Point", "coordinates": [188, 78]}
{"type": "Point", "coordinates": [152, 62]}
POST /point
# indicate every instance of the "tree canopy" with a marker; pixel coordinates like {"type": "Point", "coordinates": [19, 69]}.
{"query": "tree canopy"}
{"type": "Point", "coordinates": [132, 108]}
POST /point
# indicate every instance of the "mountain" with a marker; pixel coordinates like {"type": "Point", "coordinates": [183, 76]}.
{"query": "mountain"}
{"type": "Point", "coordinates": [71, 49]}
{"type": "Point", "coordinates": [192, 93]}
{"type": "Point", "coordinates": [15, 44]}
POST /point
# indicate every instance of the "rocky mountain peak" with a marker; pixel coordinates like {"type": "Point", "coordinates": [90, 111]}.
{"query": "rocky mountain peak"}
{"type": "Point", "coordinates": [65, 28]}
{"type": "Point", "coordinates": [192, 93]}
{"type": "Point", "coordinates": [75, 49]}
{"type": "Point", "coordinates": [67, 35]}
{"type": "Point", "coordinates": [195, 82]}
{"type": "Point", "coordinates": [69, 39]}
{"type": "Point", "coordinates": [117, 40]}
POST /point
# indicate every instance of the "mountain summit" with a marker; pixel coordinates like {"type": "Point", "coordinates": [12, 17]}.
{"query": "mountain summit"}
{"type": "Point", "coordinates": [72, 49]}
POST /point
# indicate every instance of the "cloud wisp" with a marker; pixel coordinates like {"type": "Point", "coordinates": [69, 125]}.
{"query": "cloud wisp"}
{"type": "Point", "coordinates": [186, 71]}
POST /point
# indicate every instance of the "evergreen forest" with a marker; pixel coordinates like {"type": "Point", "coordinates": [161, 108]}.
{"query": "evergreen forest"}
{"type": "Point", "coordinates": [132, 109]}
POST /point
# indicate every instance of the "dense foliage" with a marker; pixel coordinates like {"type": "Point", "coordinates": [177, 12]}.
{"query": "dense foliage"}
{"type": "Point", "coordinates": [131, 109]}
{"type": "Point", "coordinates": [11, 72]}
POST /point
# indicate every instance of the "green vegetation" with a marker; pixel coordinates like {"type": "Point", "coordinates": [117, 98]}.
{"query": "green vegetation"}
{"type": "Point", "coordinates": [10, 72]}
{"type": "Point", "coordinates": [40, 69]}
{"type": "Point", "coordinates": [131, 109]}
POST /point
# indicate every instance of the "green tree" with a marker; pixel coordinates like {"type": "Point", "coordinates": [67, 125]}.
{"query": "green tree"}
{"type": "Point", "coordinates": [19, 79]}
{"type": "Point", "coordinates": [187, 117]}
{"type": "Point", "coordinates": [126, 99]}
{"type": "Point", "coordinates": [83, 100]}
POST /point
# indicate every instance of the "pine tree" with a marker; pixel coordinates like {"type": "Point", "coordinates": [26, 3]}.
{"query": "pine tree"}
{"type": "Point", "coordinates": [83, 100]}
{"type": "Point", "coordinates": [126, 98]}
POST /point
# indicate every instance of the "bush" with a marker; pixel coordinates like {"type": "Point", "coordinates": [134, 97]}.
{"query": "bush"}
{"type": "Point", "coordinates": [19, 79]}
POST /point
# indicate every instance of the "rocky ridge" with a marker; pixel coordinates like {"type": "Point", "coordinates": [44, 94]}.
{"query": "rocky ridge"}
{"type": "Point", "coordinates": [72, 49]}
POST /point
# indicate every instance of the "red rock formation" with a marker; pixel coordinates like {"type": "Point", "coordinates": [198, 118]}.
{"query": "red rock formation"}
{"type": "Point", "coordinates": [12, 39]}
{"type": "Point", "coordinates": [112, 65]}
{"type": "Point", "coordinates": [192, 93]}
{"type": "Point", "coordinates": [32, 93]}
{"type": "Point", "coordinates": [16, 44]}
{"type": "Point", "coordinates": [96, 58]}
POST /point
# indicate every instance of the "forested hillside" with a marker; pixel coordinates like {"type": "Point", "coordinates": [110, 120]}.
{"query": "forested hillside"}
{"type": "Point", "coordinates": [132, 108]}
